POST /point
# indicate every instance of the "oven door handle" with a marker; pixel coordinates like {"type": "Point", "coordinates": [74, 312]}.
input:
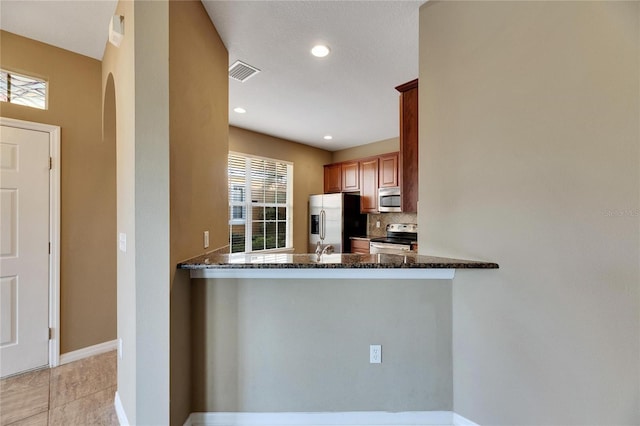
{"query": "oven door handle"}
{"type": "Point", "coordinates": [376, 248]}
{"type": "Point", "coordinates": [388, 245]}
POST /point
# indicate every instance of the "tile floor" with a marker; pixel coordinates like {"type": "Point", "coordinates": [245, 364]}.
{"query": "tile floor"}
{"type": "Point", "coordinates": [78, 393]}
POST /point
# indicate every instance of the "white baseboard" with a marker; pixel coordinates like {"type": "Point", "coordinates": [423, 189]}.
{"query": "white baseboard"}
{"type": "Point", "coordinates": [358, 418]}
{"type": "Point", "coordinates": [458, 420]}
{"type": "Point", "coordinates": [98, 349]}
{"type": "Point", "coordinates": [122, 416]}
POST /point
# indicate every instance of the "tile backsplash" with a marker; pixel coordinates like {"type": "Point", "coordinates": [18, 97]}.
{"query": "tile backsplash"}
{"type": "Point", "coordinates": [386, 218]}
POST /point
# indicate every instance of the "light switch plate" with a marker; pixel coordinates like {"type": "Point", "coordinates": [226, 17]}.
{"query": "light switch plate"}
{"type": "Point", "coordinates": [122, 242]}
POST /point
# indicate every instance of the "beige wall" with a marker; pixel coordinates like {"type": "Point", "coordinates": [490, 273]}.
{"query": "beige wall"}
{"type": "Point", "coordinates": [119, 63]}
{"type": "Point", "coordinates": [88, 185]}
{"type": "Point", "coordinates": [303, 345]}
{"type": "Point", "coordinates": [198, 83]}
{"type": "Point", "coordinates": [529, 156]}
{"type": "Point", "coordinates": [308, 173]}
{"type": "Point", "coordinates": [369, 150]}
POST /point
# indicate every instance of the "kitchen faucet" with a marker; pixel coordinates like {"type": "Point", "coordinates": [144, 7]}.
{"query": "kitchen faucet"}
{"type": "Point", "coordinates": [328, 249]}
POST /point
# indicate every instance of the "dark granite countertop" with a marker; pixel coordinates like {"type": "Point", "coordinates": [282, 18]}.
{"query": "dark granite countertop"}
{"type": "Point", "coordinates": [328, 261]}
{"type": "Point", "coordinates": [364, 237]}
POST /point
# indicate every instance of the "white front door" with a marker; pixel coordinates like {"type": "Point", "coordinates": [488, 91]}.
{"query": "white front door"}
{"type": "Point", "coordinates": [24, 249]}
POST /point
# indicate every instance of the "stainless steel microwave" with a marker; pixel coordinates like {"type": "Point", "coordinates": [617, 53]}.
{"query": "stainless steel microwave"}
{"type": "Point", "coordinates": [389, 199]}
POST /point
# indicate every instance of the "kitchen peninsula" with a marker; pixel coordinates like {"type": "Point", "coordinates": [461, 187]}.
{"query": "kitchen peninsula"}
{"type": "Point", "coordinates": [258, 318]}
{"type": "Point", "coordinates": [339, 265]}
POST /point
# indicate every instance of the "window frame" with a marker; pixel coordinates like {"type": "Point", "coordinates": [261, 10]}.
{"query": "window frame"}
{"type": "Point", "coordinates": [248, 205]}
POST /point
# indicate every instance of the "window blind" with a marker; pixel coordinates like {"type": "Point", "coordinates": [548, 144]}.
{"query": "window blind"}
{"type": "Point", "coordinates": [259, 203]}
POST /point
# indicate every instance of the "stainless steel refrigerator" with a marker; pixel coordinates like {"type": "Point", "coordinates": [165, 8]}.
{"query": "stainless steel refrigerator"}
{"type": "Point", "coordinates": [333, 218]}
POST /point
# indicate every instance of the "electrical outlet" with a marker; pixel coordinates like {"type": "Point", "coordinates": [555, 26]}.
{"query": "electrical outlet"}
{"type": "Point", "coordinates": [122, 242]}
{"type": "Point", "coordinates": [377, 224]}
{"type": "Point", "coordinates": [206, 239]}
{"type": "Point", "coordinates": [375, 354]}
{"type": "Point", "coordinates": [120, 348]}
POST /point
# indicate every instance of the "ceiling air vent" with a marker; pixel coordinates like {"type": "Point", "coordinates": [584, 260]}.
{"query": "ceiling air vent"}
{"type": "Point", "coordinates": [241, 71]}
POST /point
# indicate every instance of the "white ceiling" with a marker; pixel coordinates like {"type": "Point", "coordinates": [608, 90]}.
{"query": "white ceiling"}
{"type": "Point", "coordinates": [79, 26]}
{"type": "Point", "coordinates": [349, 94]}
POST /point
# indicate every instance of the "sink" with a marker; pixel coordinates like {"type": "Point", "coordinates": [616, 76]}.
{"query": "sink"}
{"type": "Point", "coordinates": [326, 258]}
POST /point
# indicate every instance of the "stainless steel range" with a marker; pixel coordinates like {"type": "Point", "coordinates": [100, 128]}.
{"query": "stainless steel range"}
{"type": "Point", "coordinates": [399, 239]}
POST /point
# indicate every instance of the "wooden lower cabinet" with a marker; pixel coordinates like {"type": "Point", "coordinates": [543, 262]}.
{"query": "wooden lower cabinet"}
{"type": "Point", "coordinates": [369, 186]}
{"type": "Point", "coordinates": [360, 246]}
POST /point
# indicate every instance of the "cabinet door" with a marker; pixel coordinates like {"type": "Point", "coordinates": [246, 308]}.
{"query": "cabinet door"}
{"type": "Point", "coordinates": [360, 246]}
{"type": "Point", "coordinates": [350, 176]}
{"type": "Point", "coordinates": [388, 173]}
{"type": "Point", "coordinates": [409, 145]}
{"type": "Point", "coordinates": [332, 178]}
{"type": "Point", "coordinates": [369, 186]}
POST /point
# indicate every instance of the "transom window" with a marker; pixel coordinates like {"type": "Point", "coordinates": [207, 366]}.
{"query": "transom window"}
{"type": "Point", "coordinates": [260, 199]}
{"type": "Point", "coordinates": [23, 90]}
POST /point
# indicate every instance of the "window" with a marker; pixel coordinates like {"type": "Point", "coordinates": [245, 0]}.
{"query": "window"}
{"type": "Point", "coordinates": [23, 90]}
{"type": "Point", "coordinates": [260, 197]}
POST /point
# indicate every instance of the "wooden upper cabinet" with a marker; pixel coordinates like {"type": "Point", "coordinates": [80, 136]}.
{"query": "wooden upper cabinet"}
{"type": "Point", "coordinates": [388, 170]}
{"type": "Point", "coordinates": [350, 176]}
{"type": "Point", "coordinates": [332, 178]}
{"type": "Point", "coordinates": [369, 185]}
{"type": "Point", "coordinates": [409, 145]}
{"type": "Point", "coordinates": [365, 175]}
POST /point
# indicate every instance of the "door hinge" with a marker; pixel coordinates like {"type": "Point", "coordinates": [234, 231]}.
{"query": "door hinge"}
{"type": "Point", "coordinates": [50, 333]}
{"type": "Point", "coordinates": [49, 248]}
{"type": "Point", "coordinates": [50, 163]}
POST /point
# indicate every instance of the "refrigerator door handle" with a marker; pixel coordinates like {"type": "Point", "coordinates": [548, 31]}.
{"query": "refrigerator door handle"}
{"type": "Point", "coordinates": [323, 224]}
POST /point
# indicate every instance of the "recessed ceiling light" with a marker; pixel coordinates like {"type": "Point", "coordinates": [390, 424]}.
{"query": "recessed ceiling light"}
{"type": "Point", "coordinates": [320, 50]}
{"type": "Point", "coordinates": [240, 110]}
{"type": "Point", "coordinates": [328, 137]}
